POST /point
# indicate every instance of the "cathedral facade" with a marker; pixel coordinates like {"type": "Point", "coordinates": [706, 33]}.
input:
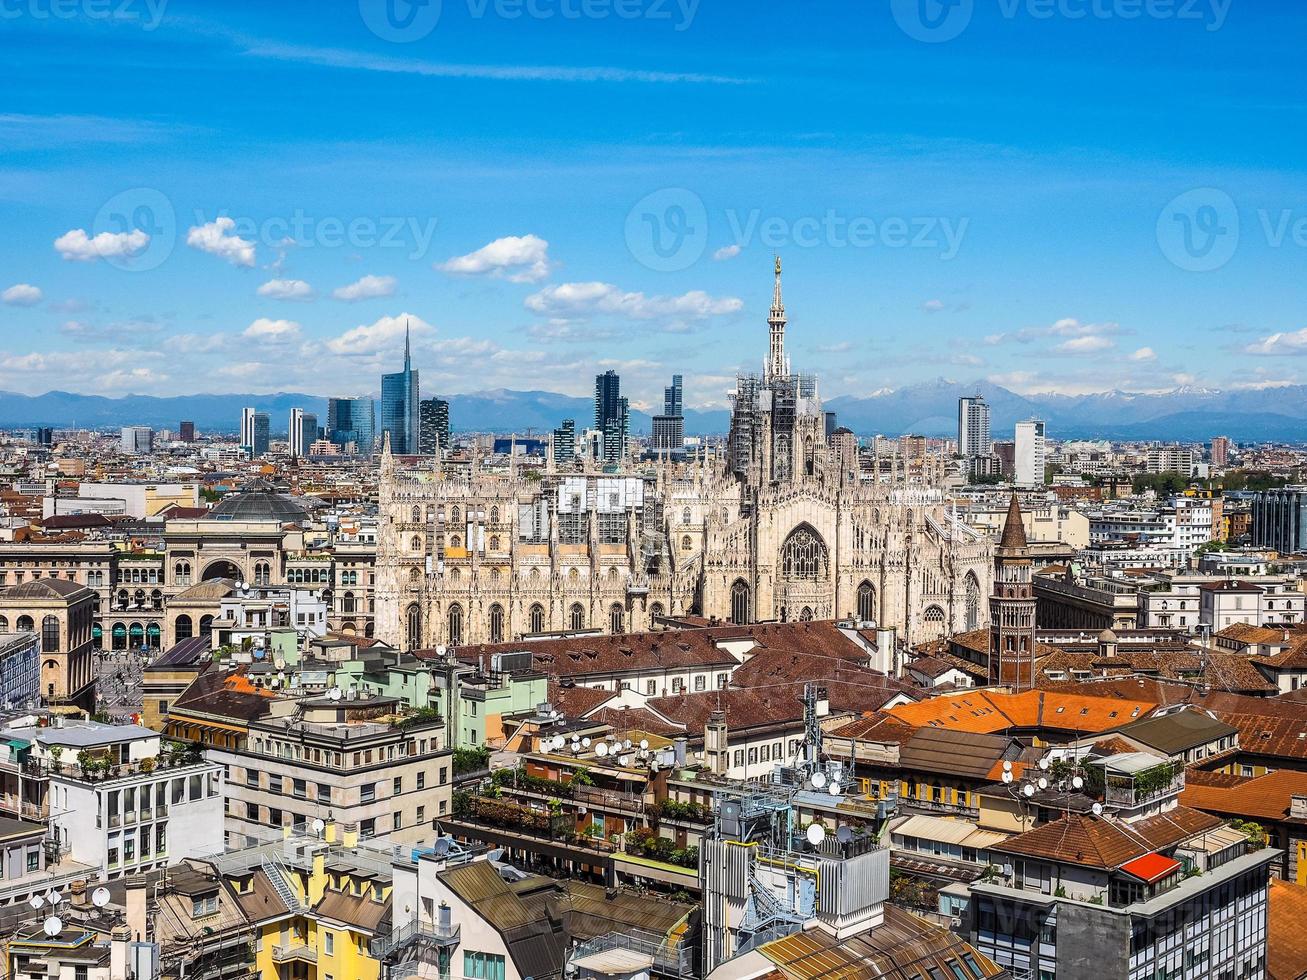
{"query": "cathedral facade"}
{"type": "Point", "coordinates": [783, 527]}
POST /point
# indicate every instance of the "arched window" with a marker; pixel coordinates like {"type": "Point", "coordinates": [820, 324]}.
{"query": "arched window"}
{"type": "Point", "coordinates": [4, 624]}
{"type": "Point", "coordinates": [416, 514]}
{"type": "Point", "coordinates": [25, 624]}
{"type": "Point", "coordinates": [866, 602]}
{"type": "Point", "coordinates": [347, 603]}
{"type": "Point", "coordinates": [50, 634]}
{"type": "Point", "coordinates": [616, 618]}
{"type": "Point", "coordinates": [685, 516]}
{"type": "Point", "coordinates": [455, 541]}
{"type": "Point", "coordinates": [740, 605]}
{"type": "Point", "coordinates": [414, 576]}
{"type": "Point", "coordinates": [262, 573]}
{"type": "Point", "coordinates": [805, 614]}
{"type": "Point", "coordinates": [454, 515]}
{"type": "Point", "coordinates": [972, 590]}
{"type": "Point", "coordinates": [686, 543]}
{"type": "Point", "coordinates": [576, 616]}
{"type": "Point", "coordinates": [494, 542]}
{"type": "Point", "coordinates": [415, 543]}
{"type": "Point", "coordinates": [656, 611]}
{"type": "Point", "coordinates": [183, 628]}
{"type": "Point", "coordinates": [455, 623]}
{"type": "Point", "coordinates": [206, 625]}
{"type": "Point", "coordinates": [934, 622]}
{"type": "Point", "coordinates": [804, 555]}
{"type": "Point", "coordinates": [537, 618]}
{"type": "Point", "coordinates": [181, 573]}
{"type": "Point", "coordinates": [414, 622]}
{"type": "Point", "coordinates": [573, 575]}
{"type": "Point", "coordinates": [496, 623]}
{"type": "Point", "coordinates": [152, 636]}
{"type": "Point", "coordinates": [119, 636]}
{"type": "Point", "coordinates": [494, 515]}
{"type": "Point", "coordinates": [136, 634]}
{"type": "Point", "coordinates": [156, 599]}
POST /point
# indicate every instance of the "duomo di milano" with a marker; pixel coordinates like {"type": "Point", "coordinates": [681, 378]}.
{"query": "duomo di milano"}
{"type": "Point", "coordinates": [780, 528]}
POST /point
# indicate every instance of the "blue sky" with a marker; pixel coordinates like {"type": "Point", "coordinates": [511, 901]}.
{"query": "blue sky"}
{"type": "Point", "coordinates": [1068, 195]}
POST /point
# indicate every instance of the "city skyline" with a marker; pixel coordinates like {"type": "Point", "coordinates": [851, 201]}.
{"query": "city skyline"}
{"type": "Point", "coordinates": [1053, 267]}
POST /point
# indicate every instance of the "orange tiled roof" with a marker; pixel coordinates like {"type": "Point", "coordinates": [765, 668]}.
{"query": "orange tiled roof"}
{"type": "Point", "coordinates": [1265, 797]}
{"type": "Point", "coordinates": [991, 711]}
{"type": "Point", "coordinates": [1286, 940]}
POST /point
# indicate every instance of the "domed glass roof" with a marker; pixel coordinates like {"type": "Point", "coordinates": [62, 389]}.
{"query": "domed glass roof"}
{"type": "Point", "coordinates": [258, 501]}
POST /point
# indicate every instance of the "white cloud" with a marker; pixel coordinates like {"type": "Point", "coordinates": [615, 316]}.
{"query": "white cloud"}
{"type": "Point", "coordinates": [215, 239]}
{"type": "Point", "coordinates": [385, 334]}
{"type": "Point", "coordinates": [296, 289]}
{"type": "Point", "coordinates": [277, 331]}
{"type": "Point", "coordinates": [369, 287]}
{"type": "Point", "coordinates": [117, 371]}
{"type": "Point", "coordinates": [22, 294]}
{"type": "Point", "coordinates": [1294, 342]}
{"type": "Point", "coordinates": [1087, 344]}
{"type": "Point", "coordinates": [932, 306]}
{"type": "Point", "coordinates": [1066, 327]}
{"type": "Point", "coordinates": [522, 258]}
{"type": "Point", "coordinates": [583, 299]}
{"type": "Point", "coordinates": [1144, 354]}
{"type": "Point", "coordinates": [77, 246]}
{"type": "Point", "coordinates": [726, 252]}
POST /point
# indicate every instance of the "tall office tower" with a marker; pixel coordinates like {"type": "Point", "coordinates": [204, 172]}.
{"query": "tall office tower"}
{"type": "Point", "coordinates": [612, 415]}
{"type": "Point", "coordinates": [44, 436]}
{"type": "Point", "coordinates": [669, 428]}
{"type": "Point", "coordinates": [565, 442]}
{"type": "Point", "coordinates": [672, 402]}
{"type": "Point", "coordinates": [1028, 463]}
{"type": "Point", "coordinates": [831, 425]}
{"type": "Point", "coordinates": [399, 407]}
{"type": "Point", "coordinates": [1220, 451]}
{"type": "Point", "coordinates": [303, 431]}
{"type": "Point", "coordinates": [254, 432]}
{"type": "Point", "coordinates": [351, 421]}
{"type": "Point", "coordinates": [187, 432]}
{"type": "Point", "coordinates": [137, 439]}
{"type": "Point", "coordinates": [434, 417]}
{"type": "Point", "coordinates": [973, 426]}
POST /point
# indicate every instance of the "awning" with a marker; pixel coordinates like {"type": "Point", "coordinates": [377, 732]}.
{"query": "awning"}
{"type": "Point", "coordinates": [1151, 867]}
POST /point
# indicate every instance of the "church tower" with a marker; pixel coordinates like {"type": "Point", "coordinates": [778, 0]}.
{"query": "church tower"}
{"type": "Point", "coordinates": [1012, 607]}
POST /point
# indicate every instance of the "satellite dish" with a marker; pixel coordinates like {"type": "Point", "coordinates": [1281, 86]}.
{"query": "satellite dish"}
{"type": "Point", "coordinates": [319, 825]}
{"type": "Point", "coordinates": [644, 743]}
{"type": "Point", "coordinates": [1007, 767]}
{"type": "Point", "coordinates": [626, 744]}
{"type": "Point", "coordinates": [1043, 763]}
{"type": "Point", "coordinates": [1043, 783]}
{"type": "Point", "coordinates": [559, 741]}
{"type": "Point", "coordinates": [816, 834]}
{"type": "Point", "coordinates": [440, 650]}
{"type": "Point", "coordinates": [100, 897]}
{"type": "Point", "coordinates": [36, 901]}
{"type": "Point", "coordinates": [1007, 777]}
{"type": "Point", "coordinates": [1098, 809]}
{"type": "Point", "coordinates": [53, 897]}
{"type": "Point", "coordinates": [844, 834]}
{"type": "Point", "coordinates": [601, 749]}
{"type": "Point", "coordinates": [1077, 782]}
{"type": "Point", "coordinates": [259, 653]}
{"type": "Point", "coordinates": [334, 694]}
{"type": "Point", "coordinates": [653, 766]}
{"type": "Point", "coordinates": [835, 789]}
{"type": "Point", "coordinates": [1028, 789]}
{"type": "Point", "coordinates": [819, 779]}
{"type": "Point", "coordinates": [585, 742]}
{"type": "Point", "coordinates": [53, 926]}
{"type": "Point", "coordinates": [441, 847]}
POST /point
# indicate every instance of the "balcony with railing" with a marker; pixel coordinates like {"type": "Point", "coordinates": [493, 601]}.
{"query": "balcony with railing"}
{"type": "Point", "coordinates": [294, 952]}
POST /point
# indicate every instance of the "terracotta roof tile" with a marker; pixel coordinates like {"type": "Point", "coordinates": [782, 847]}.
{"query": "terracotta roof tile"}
{"type": "Point", "coordinates": [1286, 939]}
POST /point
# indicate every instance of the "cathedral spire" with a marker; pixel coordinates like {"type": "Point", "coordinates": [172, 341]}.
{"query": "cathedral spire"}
{"type": "Point", "coordinates": [776, 321]}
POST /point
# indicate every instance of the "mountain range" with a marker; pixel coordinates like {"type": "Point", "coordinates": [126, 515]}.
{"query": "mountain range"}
{"type": "Point", "coordinates": [928, 408]}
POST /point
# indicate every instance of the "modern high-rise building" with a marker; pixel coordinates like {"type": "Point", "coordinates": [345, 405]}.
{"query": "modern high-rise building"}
{"type": "Point", "coordinates": [1220, 451]}
{"type": "Point", "coordinates": [433, 416]}
{"type": "Point", "coordinates": [44, 436]}
{"type": "Point", "coordinates": [351, 421]}
{"type": "Point", "coordinates": [831, 425]}
{"type": "Point", "coordinates": [400, 415]}
{"type": "Point", "coordinates": [137, 439]}
{"type": "Point", "coordinates": [303, 431]}
{"type": "Point", "coordinates": [669, 428]}
{"type": "Point", "coordinates": [186, 432]}
{"type": "Point", "coordinates": [1030, 452]}
{"type": "Point", "coordinates": [973, 426]}
{"type": "Point", "coordinates": [254, 432]}
{"type": "Point", "coordinates": [612, 415]}
{"type": "Point", "coordinates": [565, 442]}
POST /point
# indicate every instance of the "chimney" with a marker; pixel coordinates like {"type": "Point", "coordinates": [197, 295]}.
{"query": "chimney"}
{"type": "Point", "coordinates": [136, 906]}
{"type": "Point", "coordinates": [329, 830]}
{"type": "Point", "coordinates": [1298, 807]}
{"type": "Point", "coordinates": [716, 743]}
{"type": "Point", "coordinates": [121, 936]}
{"type": "Point", "coordinates": [350, 836]}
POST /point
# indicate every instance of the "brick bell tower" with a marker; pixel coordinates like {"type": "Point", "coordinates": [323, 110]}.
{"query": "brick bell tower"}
{"type": "Point", "coordinates": [1012, 607]}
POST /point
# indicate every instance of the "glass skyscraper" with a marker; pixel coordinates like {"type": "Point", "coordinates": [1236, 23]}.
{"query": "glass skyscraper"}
{"type": "Point", "coordinates": [612, 415]}
{"type": "Point", "coordinates": [352, 420]}
{"type": "Point", "coordinates": [399, 407]}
